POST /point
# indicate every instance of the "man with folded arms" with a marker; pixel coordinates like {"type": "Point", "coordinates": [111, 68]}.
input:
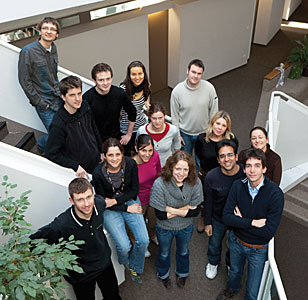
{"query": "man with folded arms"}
{"type": "Point", "coordinates": [253, 210]}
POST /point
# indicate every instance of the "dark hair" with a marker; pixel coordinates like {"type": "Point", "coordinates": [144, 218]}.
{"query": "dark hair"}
{"type": "Point", "coordinates": [196, 62]}
{"type": "Point", "coordinates": [78, 186]}
{"type": "Point", "coordinates": [112, 142]}
{"type": "Point", "coordinates": [69, 82]}
{"type": "Point", "coordinates": [167, 170]}
{"type": "Point", "coordinates": [255, 153]}
{"type": "Point", "coordinates": [258, 128]}
{"type": "Point", "coordinates": [156, 107]}
{"type": "Point", "coordinates": [101, 67]}
{"type": "Point", "coordinates": [49, 20]}
{"type": "Point", "coordinates": [143, 140]}
{"type": "Point", "coordinates": [224, 143]}
{"type": "Point", "coordinates": [129, 86]}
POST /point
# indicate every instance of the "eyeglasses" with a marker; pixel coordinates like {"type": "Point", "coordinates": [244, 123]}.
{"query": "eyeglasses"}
{"type": "Point", "coordinates": [255, 138]}
{"type": "Point", "coordinates": [223, 156]}
{"type": "Point", "coordinates": [51, 29]}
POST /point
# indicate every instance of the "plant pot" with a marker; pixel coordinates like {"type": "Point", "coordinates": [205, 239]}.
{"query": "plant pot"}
{"type": "Point", "coordinates": [305, 72]}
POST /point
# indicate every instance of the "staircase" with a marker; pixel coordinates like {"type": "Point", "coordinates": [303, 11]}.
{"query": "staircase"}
{"type": "Point", "coordinates": [296, 203]}
{"type": "Point", "coordinates": [18, 136]}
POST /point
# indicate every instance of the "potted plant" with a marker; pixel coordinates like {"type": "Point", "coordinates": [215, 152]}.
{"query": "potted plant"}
{"type": "Point", "coordinates": [299, 58]}
{"type": "Point", "coordinates": [30, 269]}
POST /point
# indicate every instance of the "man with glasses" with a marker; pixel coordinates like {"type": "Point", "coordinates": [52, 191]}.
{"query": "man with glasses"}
{"type": "Point", "coordinates": [217, 184]}
{"type": "Point", "coordinates": [253, 211]}
{"type": "Point", "coordinates": [37, 74]}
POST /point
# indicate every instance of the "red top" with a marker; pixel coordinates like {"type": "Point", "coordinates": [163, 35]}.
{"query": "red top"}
{"type": "Point", "coordinates": [158, 136]}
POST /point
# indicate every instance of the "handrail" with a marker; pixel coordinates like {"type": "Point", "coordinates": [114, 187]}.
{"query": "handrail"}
{"type": "Point", "coordinates": [60, 69]}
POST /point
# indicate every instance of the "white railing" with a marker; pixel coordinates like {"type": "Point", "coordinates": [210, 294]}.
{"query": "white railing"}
{"type": "Point", "coordinates": [287, 125]}
{"type": "Point", "coordinates": [14, 104]}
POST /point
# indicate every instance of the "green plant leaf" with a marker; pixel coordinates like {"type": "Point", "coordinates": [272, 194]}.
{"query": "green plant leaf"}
{"type": "Point", "coordinates": [19, 293]}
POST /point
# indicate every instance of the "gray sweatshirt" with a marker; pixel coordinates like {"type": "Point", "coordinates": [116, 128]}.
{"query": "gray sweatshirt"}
{"type": "Point", "coordinates": [193, 108]}
{"type": "Point", "coordinates": [169, 194]}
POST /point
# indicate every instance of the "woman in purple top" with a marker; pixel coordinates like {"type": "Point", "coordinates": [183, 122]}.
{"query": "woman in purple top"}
{"type": "Point", "coordinates": [149, 167]}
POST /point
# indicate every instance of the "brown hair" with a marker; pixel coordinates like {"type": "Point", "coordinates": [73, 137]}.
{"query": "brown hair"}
{"type": "Point", "coordinates": [209, 131]}
{"type": "Point", "coordinates": [51, 20]}
{"type": "Point", "coordinates": [255, 153]}
{"type": "Point", "coordinates": [167, 170]}
{"type": "Point", "coordinates": [101, 67]}
{"type": "Point", "coordinates": [69, 82]}
{"type": "Point", "coordinates": [78, 186]}
{"type": "Point", "coordinates": [156, 107]}
{"type": "Point", "coordinates": [111, 142]}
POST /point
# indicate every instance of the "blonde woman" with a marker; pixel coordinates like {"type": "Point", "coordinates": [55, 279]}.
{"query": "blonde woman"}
{"type": "Point", "coordinates": [219, 129]}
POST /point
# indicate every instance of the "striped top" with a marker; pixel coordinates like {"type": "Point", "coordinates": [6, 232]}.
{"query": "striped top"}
{"type": "Point", "coordinates": [141, 118]}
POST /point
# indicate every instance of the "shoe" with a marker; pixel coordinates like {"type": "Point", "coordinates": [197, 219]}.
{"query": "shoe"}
{"type": "Point", "coordinates": [167, 283]}
{"type": "Point", "coordinates": [135, 276]}
{"type": "Point", "coordinates": [154, 241]}
{"type": "Point", "coordinates": [200, 226]}
{"type": "Point", "coordinates": [225, 294]}
{"type": "Point", "coordinates": [126, 266]}
{"type": "Point", "coordinates": [211, 271]}
{"type": "Point", "coordinates": [180, 281]}
{"type": "Point", "coordinates": [147, 253]}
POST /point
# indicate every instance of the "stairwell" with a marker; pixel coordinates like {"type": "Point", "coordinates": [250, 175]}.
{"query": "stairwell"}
{"type": "Point", "coordinates": [296, 203]}
{"type": "Point", "coordinates": [17, 135]}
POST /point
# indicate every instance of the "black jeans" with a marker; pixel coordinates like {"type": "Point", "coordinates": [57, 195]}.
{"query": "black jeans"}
{"type": "Point", "coordinates": [107, 282]}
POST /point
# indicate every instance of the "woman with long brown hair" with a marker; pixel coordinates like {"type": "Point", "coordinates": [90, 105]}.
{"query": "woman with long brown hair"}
{"type": "Point", "coordinates": [175, 196]}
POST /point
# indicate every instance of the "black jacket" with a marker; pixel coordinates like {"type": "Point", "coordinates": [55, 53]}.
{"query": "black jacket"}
{"type": "Point", "coordinates": [74, 139]}
{"type": "Point", "coordinates": [131, 184]}
{"type": "Point", "coordinates": [94, 255]}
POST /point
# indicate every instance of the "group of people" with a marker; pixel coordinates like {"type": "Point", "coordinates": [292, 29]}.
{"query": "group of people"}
{"type": "Point", "coordinates": [151, 177]}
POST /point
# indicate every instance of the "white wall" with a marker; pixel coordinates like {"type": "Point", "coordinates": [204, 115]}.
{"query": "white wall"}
{"type": "Point", "coordinates": [117, 44]}
{"type": "Point", "coordinates": [219, 32]}
{"type": "Point", "coordinates": [268, 20]}
{"type": "Point", "coordinates": [49, 196]}
{"type": "Point", "coordinates": [16, 9]}
{"type": "Point", "coordinates": [289, 7]}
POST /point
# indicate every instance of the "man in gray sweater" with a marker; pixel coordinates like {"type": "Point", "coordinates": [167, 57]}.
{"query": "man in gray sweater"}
{"type": "Point", "coordinates": [37, 74]}
{"type": "Point", "coordinates": [193, 102]}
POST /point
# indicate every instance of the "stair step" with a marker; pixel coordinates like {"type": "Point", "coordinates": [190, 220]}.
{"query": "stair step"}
{"type": "Point", "coordinates": [304, 186]}
{"type": "Point", "coordinates": [3, 130]}
{"type": "Point", "coordinates": [298, 196]}
{"type": "Point", "coordinates": [296, 213]}
{"type": "Point", "coordinates": [21, 140]}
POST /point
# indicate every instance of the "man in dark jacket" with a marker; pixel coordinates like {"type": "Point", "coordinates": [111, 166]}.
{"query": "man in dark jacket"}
{"type": "Point", "coordinates": [74, 141]}
{"type": "Point", "coordinates": [37, 74]}
{"type": "Point", "coordinates": [106, 102]}
{"type": "Point", "coordinates": [253, 210]}
{"type": "Point", "coordinates": [85, 220]}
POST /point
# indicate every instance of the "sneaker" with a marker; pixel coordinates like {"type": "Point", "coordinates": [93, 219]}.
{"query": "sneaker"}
{"type": "Point", "coordinates": [211, 271]}
{"type": "Point", "coordinates": [167, 283]}
{"type": "Point", "coordinates": [126, 266]}
{"type": "Point", "coordinates": [228, 270]}
{"type": "Point", "coordinates": [225, 294]}
{"type": "Point", "coordinates": [147, 253]}
{"type": "Point", "coordinates": [180, 281]}
{"type": "Point", "coordinates": [135, 276]}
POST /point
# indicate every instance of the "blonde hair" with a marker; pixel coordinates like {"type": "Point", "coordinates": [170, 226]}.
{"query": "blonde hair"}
{"type": "Point", "coordinates": [209, 131]}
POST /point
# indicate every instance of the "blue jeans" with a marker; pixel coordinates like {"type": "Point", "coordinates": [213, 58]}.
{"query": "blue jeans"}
{"type": "Point", "coordinates": [114, 222]}
{"type": "Point", "coordinates": [189, 146]}
{"type": "Point", "coordinates": [256, 259]}
{"type": "Point", "coordinates": [215, 243]}
{"type": "Point", "coordinates": [46, 117]}
{"type": "Point", "coordinates": [165, 238]}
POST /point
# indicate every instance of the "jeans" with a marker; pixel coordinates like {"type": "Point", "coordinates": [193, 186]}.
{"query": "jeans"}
{"type": "Point", "coordinates": [256, 260]}
{"type": "Point", "coordinates": [106, 281]}
{"type": "Point", "coordinates": [165, 238]}
{"type": "Point", "coordinates": [114, 222]}
{"type": "Point", "coordinates": [46, 117]}
{"type": "Point", "coordinates": [215, 243]}
{"type": "Point", "coordinates": [189, 146]}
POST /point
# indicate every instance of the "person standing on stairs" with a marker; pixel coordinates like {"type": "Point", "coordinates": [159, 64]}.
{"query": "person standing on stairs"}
{"type": "Point", "coordinates": [37, 74]}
